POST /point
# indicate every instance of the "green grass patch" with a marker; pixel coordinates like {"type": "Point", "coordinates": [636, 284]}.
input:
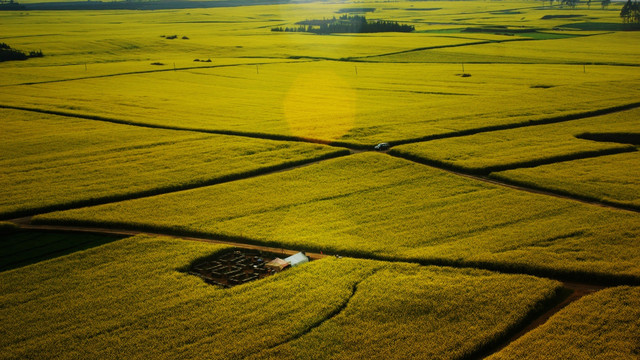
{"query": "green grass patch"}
{"type": "Point", "coordinates": [21, 248]}
{"type": "Point", "coordinates": [390, 208]}
{"type": "Point", "coordinates": [86, 162]}
{"type": "Point", "coordinates": [130, 299]}
{"type": "Point", "coordinates": [604, 325]}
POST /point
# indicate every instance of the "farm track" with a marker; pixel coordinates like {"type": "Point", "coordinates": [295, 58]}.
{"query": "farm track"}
{"type": "Point", "coordinates": [576, 290]}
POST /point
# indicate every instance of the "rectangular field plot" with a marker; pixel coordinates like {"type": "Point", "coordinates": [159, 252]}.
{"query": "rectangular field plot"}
{"type": "Point", "coordinates": [131, 299]}
{"type": "Point", "coordinates": [526, 146]}
{"type": "Point", "coordinates": [601, 326]}
{"type": "Point", "coordinates": [356, 103]}
{"type": "Point", "coordinates": [612, 179]}
{"type": "Point", "coordinates": [52, 162]}
{"type": "Point", "coordinates": [378, 206]}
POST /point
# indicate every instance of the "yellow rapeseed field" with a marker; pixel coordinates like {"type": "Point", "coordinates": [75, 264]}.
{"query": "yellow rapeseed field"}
{"type": "Point", "coordinates": [377, 206]}
{"type": "Point", "coordinates": [612, 179]}
{"type": "Point", "coordinates": [131, 299]}
{"type": "Point", "coordinates": [601, 326]}
{"type": "Point", "coordinates": [127, 109]}
{"type": "Point", "coordinates": [52, 162]}
{"type": "Point", "coordinates": [526, 146]}
{"type": "Point", "coordinates": [248, 88]}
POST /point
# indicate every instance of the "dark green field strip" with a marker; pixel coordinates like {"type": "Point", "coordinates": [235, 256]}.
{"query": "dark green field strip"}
{"type": "Point", "coordinates": [13, 244]}
{"type": "Point", "coordinates": [486, 170]}
{"type": "Point", "coordinates": [23, 248]}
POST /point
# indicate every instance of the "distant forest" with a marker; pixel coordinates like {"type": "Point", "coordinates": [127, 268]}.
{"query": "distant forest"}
{"type": "Point", "coordinates": [346, 24]}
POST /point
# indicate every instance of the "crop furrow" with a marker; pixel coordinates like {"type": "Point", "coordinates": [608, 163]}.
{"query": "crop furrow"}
{"type": "Point", "coordinates": [318, 323]}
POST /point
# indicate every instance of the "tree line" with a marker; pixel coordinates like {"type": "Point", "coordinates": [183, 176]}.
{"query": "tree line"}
{"type": "Point", "coordinates": [630, 12]}
{"type": "Point", "coordinates": [347, 24]}
{"type": "Point", "coordinates": [8, 54]}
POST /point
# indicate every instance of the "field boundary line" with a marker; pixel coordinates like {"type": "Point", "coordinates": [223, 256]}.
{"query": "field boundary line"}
{"type": "Point", "coordinates": [485, 171]}
{"type": "Point", "coordinates": [516, 185]}
{"type": "Point", "coordinates": [140, 72]}
{"type": "Point", "coordinates": [24, 223]}
{"type": "Point", "coordinates": [481, 42]}
{"type": "Point", "coordinates": [108, 199]}
{"type": "Point", "coordinates": [342, 144]}
{"type": "Point", "coordinates": [543, 121]}
{"type": "Point", "coordinates": [263, 136]}
{"type": "Point", "coordinates": [569, 293]}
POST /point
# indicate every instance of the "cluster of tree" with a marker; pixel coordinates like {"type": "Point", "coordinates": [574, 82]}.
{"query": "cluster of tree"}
{"type": "Point", "coordinates": [347, 24]}
{"type": "Point", "coordinates": [8, 54]}
{"type": "Point", "coordinates": [572, 3]}
{"type": "Point", "coordinates": [630, 12]}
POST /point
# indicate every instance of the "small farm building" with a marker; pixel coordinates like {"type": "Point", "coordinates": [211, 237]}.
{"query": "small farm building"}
{"type": "Point", "coordinates": [297, 259]}
{"type": "Point", "coordinates": [277, 264]}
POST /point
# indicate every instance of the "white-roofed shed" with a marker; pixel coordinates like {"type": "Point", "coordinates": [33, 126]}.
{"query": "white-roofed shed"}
{"type": "Point", "coordinates": [297, 259]}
